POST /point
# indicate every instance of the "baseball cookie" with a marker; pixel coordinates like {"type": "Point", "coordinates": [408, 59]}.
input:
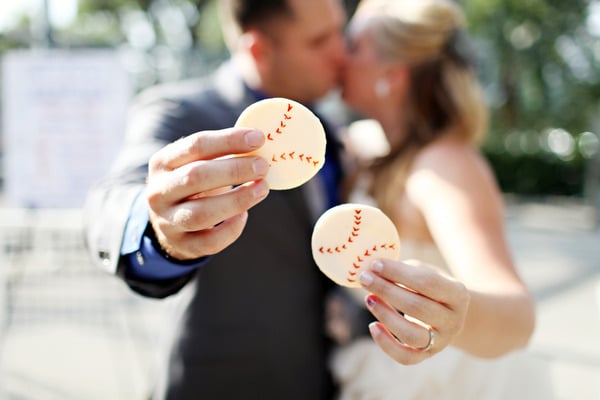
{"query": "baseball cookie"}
{"type": "Point", "coordinates": [295, 140]}
{"type": "Point", "coordinates": [348, 237]}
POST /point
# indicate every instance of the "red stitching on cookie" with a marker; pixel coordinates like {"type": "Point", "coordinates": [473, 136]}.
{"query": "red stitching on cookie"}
{"type": "Point", "coordinates": [279, 131]}
{"type": "Point", "coordinates": [355, 228]}
{"type": "Point", "coordinates": [356, 265]}
{"type": "Point", "coordinates": [361, 257]}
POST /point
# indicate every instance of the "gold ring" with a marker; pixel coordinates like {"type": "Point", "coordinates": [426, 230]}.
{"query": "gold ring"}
{"type": "Point", "coordinates": [431, 341]}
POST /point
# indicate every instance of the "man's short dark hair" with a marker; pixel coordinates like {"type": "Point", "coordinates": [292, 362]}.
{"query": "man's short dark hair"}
{"type": "Point", "coordinates": [252, 13]}
{"type": "Point", "coordinates": [238, 16]}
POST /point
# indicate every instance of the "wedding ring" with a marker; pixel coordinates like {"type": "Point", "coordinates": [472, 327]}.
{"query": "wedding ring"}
{"type": "Point", "coordinates": [431, 341]}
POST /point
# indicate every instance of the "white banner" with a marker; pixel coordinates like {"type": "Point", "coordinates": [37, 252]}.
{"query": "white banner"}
{"type": "Point", "coordinates": [63, 122]}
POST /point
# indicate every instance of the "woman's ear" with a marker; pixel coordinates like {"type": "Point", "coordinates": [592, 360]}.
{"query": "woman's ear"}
{"type": "Point", "coordinates": [398, 77]}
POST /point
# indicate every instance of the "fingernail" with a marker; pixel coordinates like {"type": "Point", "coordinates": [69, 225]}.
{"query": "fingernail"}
{"type": "Point", "coordinates": [366, 278]}
{"type": "Point", "coordinates": [377, 266]}
{"type": "Point", "coordinates": [261, 190]}
{"type": "Point", "coordinates": [371, 302]}
{"type": "Point", "coordinates": [254, 139]}
{"type": "Point", "coordinates": [260, 167]}
{"type": "Point", "coordinates": [374, 329]}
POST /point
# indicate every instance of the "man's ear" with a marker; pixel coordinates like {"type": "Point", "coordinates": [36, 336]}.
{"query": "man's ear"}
{"type": "Point", "coordinates": [257, 44]}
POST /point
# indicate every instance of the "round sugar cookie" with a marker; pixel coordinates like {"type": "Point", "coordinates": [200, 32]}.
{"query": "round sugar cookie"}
{"type": "Point", "coordinates": [295, 140]}
{"type": "Point", "coordinates": [348, 237]}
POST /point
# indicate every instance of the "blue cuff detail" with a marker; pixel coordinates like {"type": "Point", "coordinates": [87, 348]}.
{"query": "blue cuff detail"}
{"type": "Point", "coordinates": [148, 263]}
{"type": "Point", "coordinates": [145, 261]}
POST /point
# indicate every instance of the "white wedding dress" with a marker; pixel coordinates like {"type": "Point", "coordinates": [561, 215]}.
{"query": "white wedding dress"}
{"type": "Point", "coordinates": [365, 372]}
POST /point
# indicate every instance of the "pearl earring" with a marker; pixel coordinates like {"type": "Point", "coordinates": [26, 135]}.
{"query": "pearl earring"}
{"type": "Point", "coordinates": [382, 88]}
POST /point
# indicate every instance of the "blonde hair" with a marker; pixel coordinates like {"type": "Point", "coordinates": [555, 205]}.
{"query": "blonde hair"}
{"type": "Point", "coordinates": [445, 97]}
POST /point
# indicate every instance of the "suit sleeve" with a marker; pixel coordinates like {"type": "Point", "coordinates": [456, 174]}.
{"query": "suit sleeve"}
{"type": "Point", "coordinates": [155, 120]}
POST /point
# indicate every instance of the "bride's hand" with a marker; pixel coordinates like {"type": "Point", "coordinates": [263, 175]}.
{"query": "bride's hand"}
{"type": "Point", "coordinates": [419, 309]}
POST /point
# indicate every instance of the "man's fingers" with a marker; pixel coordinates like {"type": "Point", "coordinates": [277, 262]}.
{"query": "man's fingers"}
{"type": "Point", "coordinates": [198, 192]}
{"type": "Point", "coordinates": [196, 178]}
{"type": "Point", "coordinates": [206, 145]}
{"type": "Point", "coordinates": [205, 212]}
{"type": "Point", "coordinates": [192, 245]}
{"type": "Point", "coordinates": [206, 225]}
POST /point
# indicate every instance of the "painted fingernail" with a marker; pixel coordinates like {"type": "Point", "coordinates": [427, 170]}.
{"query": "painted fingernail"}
{"type": "Point", "coordinates": [371, 302]}
{"type": "Point", "coordinates": [366, 278]}
{"type": "Point", "coordinates": [377, 266]}
{"type": "Point", "coordinates": [254, 139]}
{"type": "Point", "coordinates": [260, 167]}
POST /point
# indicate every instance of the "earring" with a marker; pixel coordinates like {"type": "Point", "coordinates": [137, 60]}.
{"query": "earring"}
{"type": "Point", "coordinates": [382, 88]}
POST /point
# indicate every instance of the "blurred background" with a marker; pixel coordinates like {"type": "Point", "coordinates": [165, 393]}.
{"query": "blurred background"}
{"type": "Point", "coordinates": [69, 69]}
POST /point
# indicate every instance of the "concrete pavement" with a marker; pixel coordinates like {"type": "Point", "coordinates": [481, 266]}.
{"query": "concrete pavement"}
{"type": "Point", "coordinates": [556, 245]}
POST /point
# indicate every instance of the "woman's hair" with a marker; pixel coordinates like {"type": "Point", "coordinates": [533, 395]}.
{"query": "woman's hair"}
{"type": "Point", "coordinates": [444, 97]}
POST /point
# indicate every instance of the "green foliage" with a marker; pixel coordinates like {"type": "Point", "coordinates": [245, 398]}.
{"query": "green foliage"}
{"type": "Point", "coordinates": [536, 174]}
{"type": "Point", "coordinates": [540, 72]}
{"type": "Point", "coordinates": [537, 60]}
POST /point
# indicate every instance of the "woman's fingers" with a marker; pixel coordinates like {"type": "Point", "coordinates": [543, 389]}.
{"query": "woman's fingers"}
{"type": "Point", "coordinates": [409, 300]}
{"type": "Point", "coordinates": [406, 330]}
{"type": "Point", "coordinates": [424, 279]}
{"type": "Point", "coordinates": [400, 352]}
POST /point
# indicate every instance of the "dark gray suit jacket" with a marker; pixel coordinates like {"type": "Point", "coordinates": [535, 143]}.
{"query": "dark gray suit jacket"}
{"type": "Point", "coordinates": [254, 327]}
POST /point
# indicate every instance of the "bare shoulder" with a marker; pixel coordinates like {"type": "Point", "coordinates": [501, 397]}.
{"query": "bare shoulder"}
{"type": "Point", "coordinates": [449, 165]}
{"type": "Point", "coordinates": [448, 154]}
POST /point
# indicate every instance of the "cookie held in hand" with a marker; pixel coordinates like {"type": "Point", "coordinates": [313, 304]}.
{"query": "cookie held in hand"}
{"type": "Point", "coordinates": [295, 140]}
{"type": "Point", "coordinates": [348, 237]}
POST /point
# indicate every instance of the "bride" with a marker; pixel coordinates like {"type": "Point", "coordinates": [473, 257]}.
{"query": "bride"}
{"type": "Point", "coordinates": [451, 322]}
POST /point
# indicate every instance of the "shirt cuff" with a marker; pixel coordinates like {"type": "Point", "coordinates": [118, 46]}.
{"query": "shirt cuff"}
{"type": "Point", "coordinates": [148, 263]}
{"type": "Point", "coordinates": [144, 260]}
